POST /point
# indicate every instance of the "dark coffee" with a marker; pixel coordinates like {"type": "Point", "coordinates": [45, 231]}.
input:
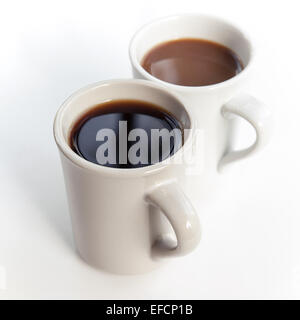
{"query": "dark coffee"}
{"type": "Point", "coordinates": [106, 134]}
{"type": "Point", "coordinates": [192, 62]}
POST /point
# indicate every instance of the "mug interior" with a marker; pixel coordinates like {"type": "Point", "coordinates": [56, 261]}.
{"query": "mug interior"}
{"type": "Point", "coordinates": [84, 99]}
{"type": "Point", "coordinates": [190, 26]}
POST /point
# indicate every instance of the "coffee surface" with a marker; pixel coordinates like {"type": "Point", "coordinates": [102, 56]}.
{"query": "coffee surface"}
{"type": "Point", "coordinates": [87, 135]}
{"type": "Point", "coordinates": [192, 62]}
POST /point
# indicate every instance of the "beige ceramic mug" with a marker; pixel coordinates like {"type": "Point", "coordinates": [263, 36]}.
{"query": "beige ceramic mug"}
{"type": "Point", "coordinates": [217, 109]}
{"type": "Point", "coordinates": [126, 220]}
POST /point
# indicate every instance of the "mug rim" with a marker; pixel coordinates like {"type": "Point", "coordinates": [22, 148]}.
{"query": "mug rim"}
{"type": "Point", "coordinates": [147, 75]}
{"type": "Point", "coordinates": [70, 154]}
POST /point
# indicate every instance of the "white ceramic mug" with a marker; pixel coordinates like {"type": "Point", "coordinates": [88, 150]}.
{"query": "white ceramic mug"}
{"type": "Point", "coordinates": [124, 219]}
{"type": "Point", "coordinates": [215, 108]}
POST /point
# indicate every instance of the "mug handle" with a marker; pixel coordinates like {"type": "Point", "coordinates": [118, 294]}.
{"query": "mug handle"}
{"type": "Point", "coordinates": [258, 115]}
{"type": "Point", "coordinates": [177, 208]}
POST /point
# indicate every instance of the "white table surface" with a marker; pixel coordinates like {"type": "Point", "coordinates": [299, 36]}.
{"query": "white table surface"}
{"type": "Point", "coordinates": [251, 235]}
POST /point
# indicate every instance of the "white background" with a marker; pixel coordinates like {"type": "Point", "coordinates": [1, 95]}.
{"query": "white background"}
{"type": "Point", "coordinates": [251, 236]}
